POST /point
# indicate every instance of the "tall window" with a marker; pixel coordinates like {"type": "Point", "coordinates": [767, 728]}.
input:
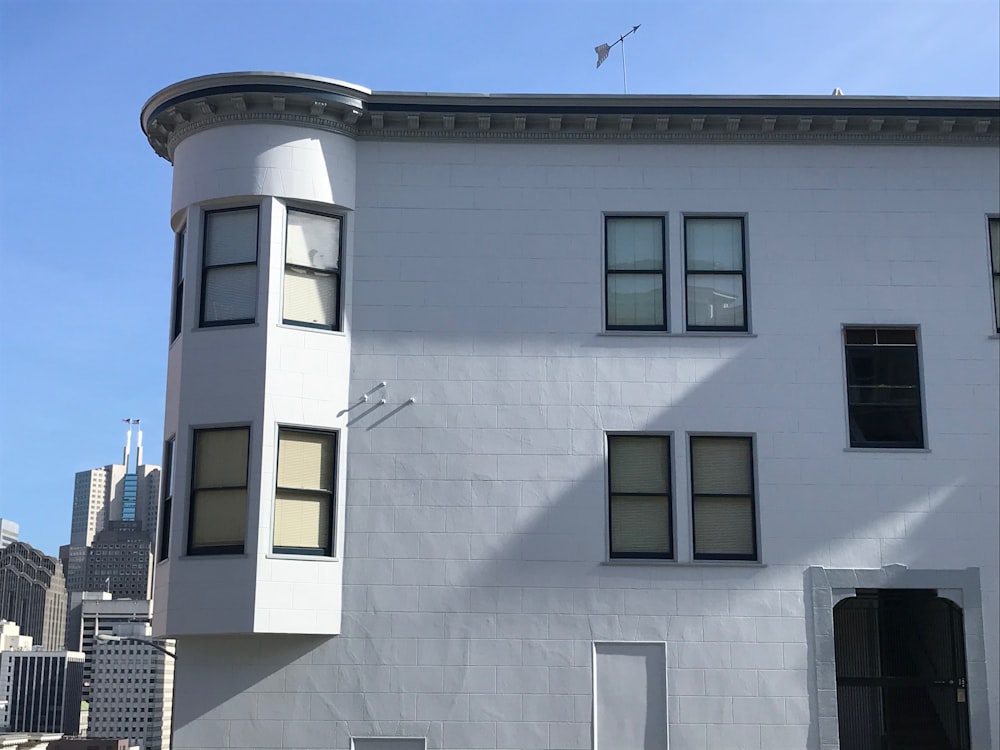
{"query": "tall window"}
{"type": "Point", "coordinates": [722, 498]}
{"type": "Point", "coordinates": [715, 273]}
{"type": "Point", "coordinates": [218, 517]}
{"type": "Point", "coordinates": [304, 496]}
{"type": "Point", "coordinates": [995, 258]}
{"type": "Point", "coordinates": [640, 514]}
{"type": "Point", "coordinates": [168, 498]}
{"type": "Point", "coordinates": [177, 312]}
{"type": "Point", "coordinates": [636, 295]}
{"type": "Point", "coordinates": [229, 276]}
{"type": "Point", "coordinates": [312, 270]}
{"type": "Point", "coordinates": [883, 388]}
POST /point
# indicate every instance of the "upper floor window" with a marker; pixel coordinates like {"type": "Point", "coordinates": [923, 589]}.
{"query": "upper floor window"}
{"type": "Point", "coordinates": [722, 498]}
{"type": "Point", "coordinates": [229, 275]}
{"type": "Point", "coordinates": [304, 495]}
{"type": "Point", "coordinates": [217, 521]}
{"type": "Point", "coordinates": [883, 388]}
{"type": "Point", "coordinates": [177, 307]}
{"type": "Point", "coordinates": [715, 274]}
{"type": "Point", "coordinates": [639, 509]}
{"type": "Point", "coordinates": [635, 271]}
{"type": "Point", "coordinates": [312, 270]}
{"type": "Point", "coordinates": [995, 259]}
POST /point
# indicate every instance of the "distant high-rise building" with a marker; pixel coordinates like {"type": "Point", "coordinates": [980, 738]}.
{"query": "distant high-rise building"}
{"type": "Point", "coordinates": [41, 691]}
{"type": "Point", "coordinates": [131, 692]}
{"type": "Point", "coordinates": [11, 638]}
{"type": "Point", "coordinates": [125, 492]}
{"type": "Point", "coordinates": [93, 612]}
{"type": "Point", "coordinates": [33, 594]}
{"type": "Point", "coordinates": [120, 561]}
{"type": "Point", "coordinates": [8, 532]}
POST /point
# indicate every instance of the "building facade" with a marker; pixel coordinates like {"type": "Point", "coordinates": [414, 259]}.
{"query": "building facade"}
{"type": "Point", "coordinates": [562, 422]}
{"type": "Point", "coordinates": [120, 561]}
{"type": "Point", "coordinates": [131, 693]}
{"type": "Point", "coordinates": [33, 594]}
{"type": "Point", "coordinates": [41, 690]}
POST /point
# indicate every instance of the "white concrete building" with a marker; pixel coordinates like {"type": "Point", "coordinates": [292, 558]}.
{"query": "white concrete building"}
{"type": "Point", "coordinates": [132, 690]}
{"type": "Point", "coordinates": [563, 422]}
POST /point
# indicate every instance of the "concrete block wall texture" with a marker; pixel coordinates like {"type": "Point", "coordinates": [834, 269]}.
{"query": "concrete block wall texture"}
{"type": "Point", "coordinates": [476, 576]}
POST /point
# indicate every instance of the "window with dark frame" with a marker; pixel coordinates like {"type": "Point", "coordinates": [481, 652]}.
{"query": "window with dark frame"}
{"type": "Point", "coordinates": [715, 273]}
{"type": "Point", "coordinates": [304, 492]}
{"type": "Point", "coordinates": [640, 515]}
{"type": "Point", "coordinates": [635, 273]}
{"type": "Point", "coordinates": [217, 521]}
{"type": "Point", "coordinates": [995, 260]}
{"type": "Point", "coordinates": [177, 309]}
{"type": "Point", "coordinates": [168, 498]}
{"type": "Point", "coordinates": [312, 270]}
{"type": "Point", "coordinates": [722, 498]}
{"type": "Point", "coordinates": [229, 267]}
{"type": "Point", "coordinates": [883, 388]}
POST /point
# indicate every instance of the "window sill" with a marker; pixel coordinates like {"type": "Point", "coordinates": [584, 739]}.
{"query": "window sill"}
{"type": "Point", "coordinates": [994, 336]}
{"type": "Point", "coordinates": [682, 334]}
{"type": "Point", "coordinates": [311, 329]}
{"type": "Point", "coordinates": [222, 327]}
{"type": "Point", "coordinates": [687, 563]}
{"type": "Point", "coordinates": [309, 558]}
{"type": "Point", "coordinates": [887, 450]}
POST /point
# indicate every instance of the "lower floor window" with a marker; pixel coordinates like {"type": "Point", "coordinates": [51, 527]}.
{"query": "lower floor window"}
{"type": "Point", "coordinates": [304, 494]}
{"type": "Point", "coordinates": [218, 518]}
{"type": "Point", "coordinates": [722, 498]}
{"type": "Point", "coordinates": [639, 500]}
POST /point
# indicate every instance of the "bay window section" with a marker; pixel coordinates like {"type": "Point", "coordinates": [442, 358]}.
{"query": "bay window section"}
{"type": "Point", "coordinates": [177, 311]}
{"type": "Point", "coordinates": [218, 513]}
{"type": "Point", "coordinates": [715, 274]}
{"type": "Point", "coordinates": [229, 267]}
{"type": "Point", "coordinates": [166, 506]}
{"type": "Point", "coordinates": [995, 261]}
{"type": "Point", "coordinates": [304, 493]}
{"type": "Point", "coordinates": [635, 271]}
{"type": "Point", "coordinates": [312, 270]}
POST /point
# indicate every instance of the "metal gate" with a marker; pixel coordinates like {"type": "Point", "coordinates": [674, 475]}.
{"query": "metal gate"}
{"type": "Point", "coordinates": [901, 679]}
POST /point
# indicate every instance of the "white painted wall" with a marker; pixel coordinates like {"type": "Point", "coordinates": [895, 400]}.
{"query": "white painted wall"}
{"type": "Point", "coordinates": [475, 570]}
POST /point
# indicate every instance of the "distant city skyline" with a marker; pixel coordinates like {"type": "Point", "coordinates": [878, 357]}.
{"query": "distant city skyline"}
{"type": "Point", "coordinates": [83, 217]}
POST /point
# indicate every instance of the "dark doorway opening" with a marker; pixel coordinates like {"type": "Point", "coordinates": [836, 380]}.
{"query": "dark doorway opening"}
{"type": "Point", "coordinates": [901, 677]}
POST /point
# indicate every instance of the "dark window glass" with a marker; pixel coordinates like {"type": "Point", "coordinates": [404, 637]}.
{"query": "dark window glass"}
{"type": "Point", "coordinates": [883, 388]}
{"type": "Point", "coordinates": [177, 314]}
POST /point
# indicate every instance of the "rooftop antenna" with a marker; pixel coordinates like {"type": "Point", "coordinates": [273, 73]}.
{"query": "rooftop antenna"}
{"type": "Point", "coordinates": [603, 50]}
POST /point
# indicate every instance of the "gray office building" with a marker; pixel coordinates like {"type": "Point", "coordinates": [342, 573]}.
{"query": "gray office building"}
{"type": "Point", "coordinates": [33, 594]}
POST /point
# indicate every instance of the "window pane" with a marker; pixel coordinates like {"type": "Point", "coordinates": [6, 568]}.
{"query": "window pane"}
{"type": "Point", "coordinates": [220, 518]}
{"type": "Point", "coordinates": [230, 293]}
{"type": "Point", "coordinates": [723, 526]}
{"type": "Point", "coordinates": [231, 237]}
{"type": "Point", "coordinates": [995, 243]}
{"type": "Point", "coordinates": [310, 297]}
{"type": "Point", "coordinates": [305, 460]}
{"type": "Point", "coordinates": [721, 465]}
{"type": "Point", "coordinates": [635, 300]}
{"type": "Point", "coordinates": [639, 464]}
{"type": "Point", "coordinates": [714, 244]}
{"type": "Point", "coordinates": [640, 525]}
{"type": "Point", "coordinates": [715, 300]}
{"type": "Point", "coordinates": [302, 520]}
{"type": "Point", "coordinates": [221, 458]}
{"type": "Point", "coordinates": [996, 299]}
{"type": "Point", "coordinates": [313, 240]}
{"type": "Point", "coordinates": [873, 425]}
{"type": "Point", "coordinates": [635, 244]}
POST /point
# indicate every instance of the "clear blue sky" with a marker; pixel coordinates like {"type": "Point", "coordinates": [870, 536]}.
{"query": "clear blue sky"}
{"type": "Point", "coordinates": [85, 249]}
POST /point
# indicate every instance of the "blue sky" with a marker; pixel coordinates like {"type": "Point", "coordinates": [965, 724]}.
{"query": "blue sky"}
{"type": "Point", "coordinates": [85, 249]}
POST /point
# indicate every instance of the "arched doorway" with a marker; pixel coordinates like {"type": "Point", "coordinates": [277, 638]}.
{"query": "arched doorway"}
{"type": "Point", "coordinates": [901, 675]}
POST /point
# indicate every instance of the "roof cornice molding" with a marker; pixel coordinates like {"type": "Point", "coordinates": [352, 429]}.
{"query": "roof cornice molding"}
{"type": "Point", "coordinates": [334, 106]}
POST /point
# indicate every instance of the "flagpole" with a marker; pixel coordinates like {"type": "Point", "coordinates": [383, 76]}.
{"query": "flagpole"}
{"type": "Point", "coordinates": [624, 70]}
